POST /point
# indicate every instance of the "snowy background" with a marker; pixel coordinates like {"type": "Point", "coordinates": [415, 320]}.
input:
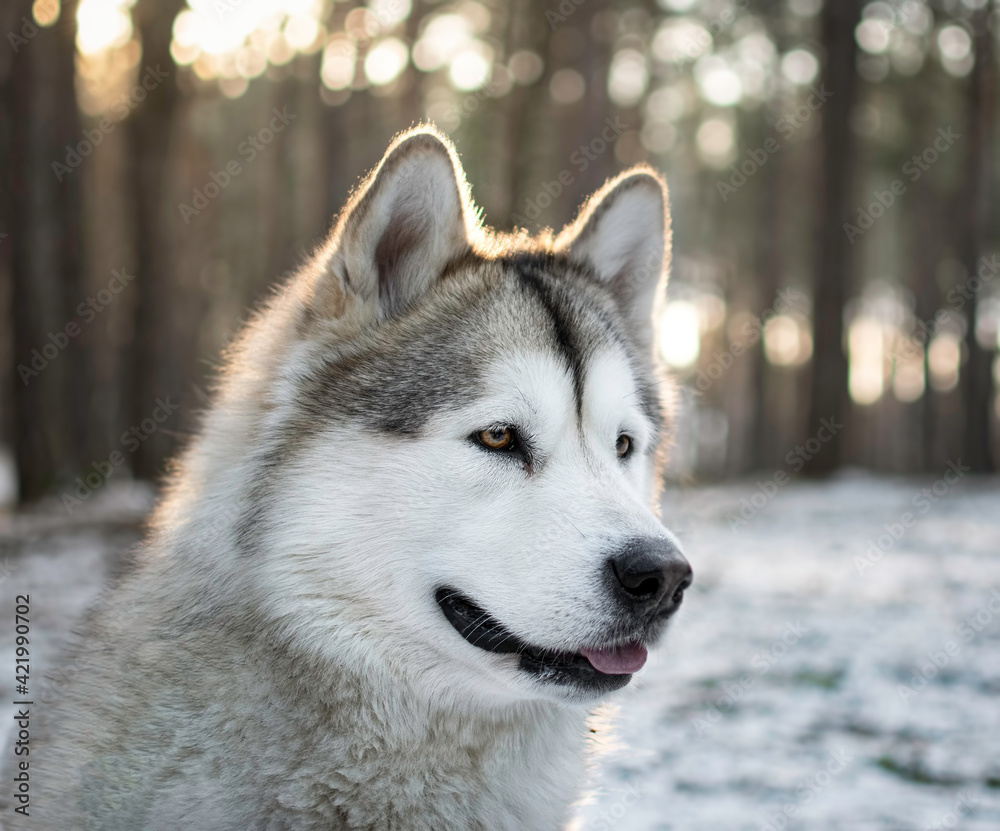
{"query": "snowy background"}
{"type": "Point", "coordinates": [785, 697]}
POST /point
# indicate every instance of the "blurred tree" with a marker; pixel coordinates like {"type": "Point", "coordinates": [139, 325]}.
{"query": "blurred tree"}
{"type": "Point", "coordinates": [156, 369]}
{"type": "Point", "coordinates": [42, 218]}
{"type": "Point", "coordinates": [8, 356]}
{"type": "Point", "coordinates": [977, 388]}
{"type": "Point", "coordinates": [832, 270]}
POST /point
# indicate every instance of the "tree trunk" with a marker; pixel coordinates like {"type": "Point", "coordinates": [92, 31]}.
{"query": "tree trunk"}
{"type": "Point", "coordinates": [156, 372]}
{"type": "Point", "coordinates": [977, 390]}
{"type": "Point", "coordinates": [42, 220]}
{"type": "Point", "coordinates": [829, 367]}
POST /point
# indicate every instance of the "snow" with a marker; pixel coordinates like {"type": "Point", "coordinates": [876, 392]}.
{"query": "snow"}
{"type": "Point", "coordinates": [775, 702]}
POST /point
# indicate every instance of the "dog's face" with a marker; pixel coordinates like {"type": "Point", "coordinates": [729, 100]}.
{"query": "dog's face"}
{"type": "Point", "coordinates": [468, 490]}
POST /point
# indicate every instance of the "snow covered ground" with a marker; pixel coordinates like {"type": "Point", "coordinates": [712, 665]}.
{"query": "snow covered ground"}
{"type": "Point", "coordinates": [790, 693]}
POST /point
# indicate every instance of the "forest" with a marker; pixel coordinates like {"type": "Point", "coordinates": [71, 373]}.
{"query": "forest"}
{"type": "Point", "coordinates": [833, 175]}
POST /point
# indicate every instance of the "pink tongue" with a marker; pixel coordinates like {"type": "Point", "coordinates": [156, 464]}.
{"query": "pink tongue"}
{"type": "Point", "coordinates": [622, 660]}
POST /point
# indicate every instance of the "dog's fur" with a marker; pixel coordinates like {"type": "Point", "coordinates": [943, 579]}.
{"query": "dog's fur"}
{"type": "Point", "coordinates": [275, 658]}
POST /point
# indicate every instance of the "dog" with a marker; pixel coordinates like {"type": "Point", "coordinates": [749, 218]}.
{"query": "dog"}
{"type": "Point", "coordinates": [412, 546]}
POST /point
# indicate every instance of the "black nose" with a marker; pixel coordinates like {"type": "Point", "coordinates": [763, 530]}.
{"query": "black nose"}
{"type": "Point", "coordinates": [650, 575]}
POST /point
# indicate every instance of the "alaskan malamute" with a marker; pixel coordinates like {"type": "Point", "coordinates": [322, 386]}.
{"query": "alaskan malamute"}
{"type": "Point", "coordinates": [413, 545]}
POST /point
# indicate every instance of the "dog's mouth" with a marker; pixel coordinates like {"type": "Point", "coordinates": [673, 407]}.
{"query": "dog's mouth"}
{"type": "Point", "coordinates": [599, 669]}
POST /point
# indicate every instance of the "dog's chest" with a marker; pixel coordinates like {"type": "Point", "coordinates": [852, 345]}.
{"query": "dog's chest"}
{"type": "Point", "coordinates": [520, 775]}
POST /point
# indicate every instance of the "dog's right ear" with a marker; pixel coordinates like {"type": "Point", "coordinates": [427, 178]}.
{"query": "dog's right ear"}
{"type": "Point", "coordinates": [407, 221]}
{"type": "Point", "coordinates": [623, 233]}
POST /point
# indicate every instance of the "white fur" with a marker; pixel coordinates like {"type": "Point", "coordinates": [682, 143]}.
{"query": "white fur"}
{"type": "Point", "coordinates": [454, 516]}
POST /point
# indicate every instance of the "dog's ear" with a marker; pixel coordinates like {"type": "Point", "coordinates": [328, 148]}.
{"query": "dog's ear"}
{"type": "Point", "coordinates": [623, 233]}
{"type": "Point", "coordinates": [406, 222]}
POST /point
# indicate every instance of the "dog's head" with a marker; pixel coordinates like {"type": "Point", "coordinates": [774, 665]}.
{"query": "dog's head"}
{"type": "Point", "coordinates": [469, 439]}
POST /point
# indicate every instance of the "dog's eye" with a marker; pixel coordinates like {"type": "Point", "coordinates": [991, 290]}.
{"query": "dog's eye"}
{"type": "Point", "coordinates": [623, 446]}
{"type": "Point", "coordinates": [496, 438]}
{"type": "Point", "coordinates": [507, 443]}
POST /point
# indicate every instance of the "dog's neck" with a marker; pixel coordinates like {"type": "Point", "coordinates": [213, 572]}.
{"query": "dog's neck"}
{"type": "Point", "coordinates": [371, 740]}
{"type": "Point", "coordinates": [518, 767]}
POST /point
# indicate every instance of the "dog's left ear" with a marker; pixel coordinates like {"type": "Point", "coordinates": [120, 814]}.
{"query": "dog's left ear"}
{"type": "Point", "coordinates": [405, 224]}
{"type": "Point", "coordinates": [623, 233]}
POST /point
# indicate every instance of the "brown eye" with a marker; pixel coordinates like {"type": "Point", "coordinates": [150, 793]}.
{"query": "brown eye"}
{"type": "Point", "coordinates": [497, 438]}
{"type": "Point", "coordinates": [623, 446]}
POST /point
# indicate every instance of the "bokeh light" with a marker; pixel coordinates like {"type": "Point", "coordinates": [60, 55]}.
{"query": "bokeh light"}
{"type": "Point", "coordinates": [677, 5]}
{"type": "Point", "coordinates": [718, 81]}
{"type": "Point", "coordinates": [944, 357]}
{"type": "Point", "coordinates": [46, 12]}
{"type": "Point", "coordinates": [385, 61]}
{"type": "Point", "coordinates": [872, 35]}
{"type": "Point", "coordinates": [627, 78]}
{"type": "Point", "coordinates": [567, 86]}
{"type": "Point", "coordinates": [681, 40]}
{"type": "Point", "coordinates": [955, 50]}
{"type": "Point", "coordinates": [103, 25]}
{"type": "Point", "coordinates": [680, 334]}
{"type": "Point", "coordinates": [787, 341]}
{"type": "Point", "coordinates": [526, 67]}
{"type": "Point", "coordinates": [800, 66]}
{"type": "Point", "coordinates": [715, 141]}
{"type": "Point", "coordinates": [470, 69]}
{"type": "Point", "coordinates": [908, 371]}
{"type": "Point", "coordinates": [235, 42]}
{"type": "Point", "coordinates": [866, 355]}
{"type": "Point", "coordinates": [339, 62]}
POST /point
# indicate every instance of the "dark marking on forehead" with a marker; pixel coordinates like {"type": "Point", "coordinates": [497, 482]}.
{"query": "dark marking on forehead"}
{"type": "Point", "coordinates": [585, 320]}
{"type": "Point", "coordinates": [531, 276]}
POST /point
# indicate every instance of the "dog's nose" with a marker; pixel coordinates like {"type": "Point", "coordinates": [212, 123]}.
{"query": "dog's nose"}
{"type": "Point", "coordinates": [651, 575]}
